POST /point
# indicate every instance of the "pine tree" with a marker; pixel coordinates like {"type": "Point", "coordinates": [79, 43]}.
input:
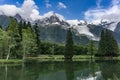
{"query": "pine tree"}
{"type": "Point", "coordinates": [29, 25]}
{"type": "Point", "coordinates": [1, 27]}
{"type": "Point", "coordinates": [38, 42]}
{"type": "Point", "coordinates": [107, 45]}
{"type": "Point", "coordinates": [24, 25]}
{"type": "Point", "coordinates": [69, 45]}
{"type": "Point", "coordinates": [101, 46]}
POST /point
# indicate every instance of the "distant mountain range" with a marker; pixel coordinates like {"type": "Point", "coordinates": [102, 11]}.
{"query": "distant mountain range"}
{"type": "Point", "coordinates": [54, 28]}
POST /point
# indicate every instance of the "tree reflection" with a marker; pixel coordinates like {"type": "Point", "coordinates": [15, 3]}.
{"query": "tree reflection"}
{"type": "Point", "coordinates": [110, 70]}
{"type": "Point", "coordinates": [6, 72]}
{"type": "Point", "coordinates": [69, 70]}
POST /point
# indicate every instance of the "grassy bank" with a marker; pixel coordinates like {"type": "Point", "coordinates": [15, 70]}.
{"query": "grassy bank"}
{"type": "Point", "coordinates": [45, 58]}
{"type": "Point", "coordinates": [4, 61]}
{"type": "Point", "coordinates": [55, 57]}
{"type": "Point", "coordinates": [75, 57]}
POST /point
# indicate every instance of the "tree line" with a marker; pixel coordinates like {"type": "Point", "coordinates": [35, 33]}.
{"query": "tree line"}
{"type": "Point", "coordinates": [22, 39]}
{"type": "Point", "coordinates": [107, 46]}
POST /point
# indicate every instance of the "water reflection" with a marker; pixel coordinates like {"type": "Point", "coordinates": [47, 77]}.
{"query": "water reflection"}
{"type": "Point", "coordinates": [90, 72]}
{"type": "Point", "coordinates": [64, 70]}
{"type": "Point", "coordinates": [91, 77]}
{"type": "Point", "coordinates": [110, 69]}
{"type": "Point", "coordinates": [69, 70]}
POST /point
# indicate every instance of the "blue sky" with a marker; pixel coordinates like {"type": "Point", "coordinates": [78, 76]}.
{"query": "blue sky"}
{"type": "Point", "coordinates": [73, 9]}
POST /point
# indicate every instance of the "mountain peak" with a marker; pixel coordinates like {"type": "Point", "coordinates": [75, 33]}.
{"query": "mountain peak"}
{"type": "Point", "coordinates": [53, 14]}
{"type": "Point", "coordinates": [52, 18]}
{"type": "Point", "coordinates": [18, 17]}
{"type": "Point", "coordinates": [49, 14]}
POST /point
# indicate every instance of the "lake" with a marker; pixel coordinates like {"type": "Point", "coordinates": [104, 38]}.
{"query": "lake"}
{"type": "Point", "coordinates": [61, 70]}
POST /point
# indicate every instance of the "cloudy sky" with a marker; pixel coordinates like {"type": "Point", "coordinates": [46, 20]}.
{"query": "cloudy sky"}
{"type": "Point", "coordinates": [70, 9]}
{"type": "Point", "coordinates": [89, 10]}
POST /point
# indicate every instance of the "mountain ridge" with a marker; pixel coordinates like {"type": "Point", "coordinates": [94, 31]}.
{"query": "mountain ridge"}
{"type": "Point", "coordinates": [80, 28]}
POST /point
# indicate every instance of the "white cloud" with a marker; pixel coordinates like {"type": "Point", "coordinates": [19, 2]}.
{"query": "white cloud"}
{"type": "Point", "coordinates": [75, 22]}
{"type": "Point", "coordinates": [48, 5]}
{"type": "Point", "coordinates": [112, 13]}
{"type": "Point", "coordinates": [61, 5]}
{"type": "Point", "coordinates": [9, 10]}
{"type": "Point", "coordinates": [35, 15]}
{"type": "Point", "coordinates": [27, 10]}
{"type": "Point", "coordinates": [115, 2]}
{"type": "Point", "coordinates": [98, 3]}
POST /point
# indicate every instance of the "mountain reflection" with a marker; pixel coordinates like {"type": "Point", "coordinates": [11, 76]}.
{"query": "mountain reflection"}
{"type": "Point", "coordinates": [88, 74]}
{"type": "Point", "coordinates": [91, 77]}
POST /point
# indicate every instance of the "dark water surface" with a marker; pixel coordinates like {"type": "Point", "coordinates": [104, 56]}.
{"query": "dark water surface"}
{"type": "Point", "coordinates": [61, 70]}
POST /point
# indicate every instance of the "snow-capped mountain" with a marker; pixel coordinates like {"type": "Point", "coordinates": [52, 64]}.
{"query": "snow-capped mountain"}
{"type": "Point", "coordinates": [52, 18]}
{"type": "Point", "coordinates": [53, 28]}
{"type": "Point", "coordinates": [79, 26]}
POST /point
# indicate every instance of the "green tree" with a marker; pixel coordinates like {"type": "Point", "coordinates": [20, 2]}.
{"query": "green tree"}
{"type": "Point", "coordinates": [102, 44]}
{"type": "Point", "coordinates": [69, 46]}
{"type": "Point", "coordinates": [20, 28]}
{"type": "Point", "coordinates": [1, 27]}
{"type": "Point", "coordinates": [29, 25]}
{"type": "Point", "coordinates": [80, 50]}
{"type": "Point", "coordinates": [91, 48]}
{"type": "Point", "coordinates": [2, 45]}
{"type": "Point", "coordinates": [28, 42]}
{"type": "Point", "coordinates": [13, 33]}
{"type": "Point", "coordinates": [6, 44]}
{"type": "Point", "coordinates": [24, 25]}
{"type": "Point", "coordinates": [107, 45]}
{"type": "Point", "coordinates": [38, 42]}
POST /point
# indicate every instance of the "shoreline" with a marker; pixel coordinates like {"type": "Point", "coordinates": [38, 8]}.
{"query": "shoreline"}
{"type": "Point", "coordinates": [57, 58]}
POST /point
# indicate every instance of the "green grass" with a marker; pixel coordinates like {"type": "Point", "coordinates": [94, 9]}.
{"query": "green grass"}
{"type": "Point", "coordinates": [59, 57]}
{"type": "Point", "coordinates": [75, 57]}
{"type": "Point", "coordinates": [82, 57]}
{"type": "Point", "coordinates": [10, 61]}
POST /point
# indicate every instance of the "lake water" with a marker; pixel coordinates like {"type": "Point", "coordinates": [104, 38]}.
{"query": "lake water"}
{"type": "Point", "coordinates": [61, 70]}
